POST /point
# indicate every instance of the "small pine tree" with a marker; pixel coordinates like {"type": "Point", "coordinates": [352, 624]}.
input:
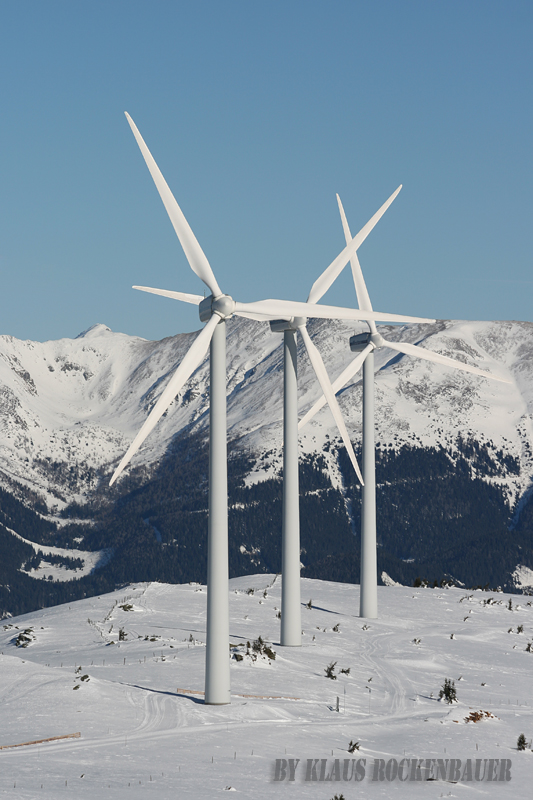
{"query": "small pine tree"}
{"type": "Point", "coordinates": [448, 691]}
{"type": "Point", "coordinates": [330, 671]}
{"type": "Point", "coordinates": [521, 742]}
{"type": "Point", "coordinates": [271, 654]}
{"type": "Point", "coordinates": [309, 604]}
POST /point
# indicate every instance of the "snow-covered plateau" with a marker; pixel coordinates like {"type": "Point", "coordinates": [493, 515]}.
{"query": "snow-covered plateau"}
{"type": "Point", "coordinates": [125, 672]}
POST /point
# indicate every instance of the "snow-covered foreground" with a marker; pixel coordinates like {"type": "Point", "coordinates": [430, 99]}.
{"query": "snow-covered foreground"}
{"type": "Point", "coordinates": [144, 735]}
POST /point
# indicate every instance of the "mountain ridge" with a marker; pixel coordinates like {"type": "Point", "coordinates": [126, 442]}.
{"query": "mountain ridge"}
{"type": "Point", "coordinates": [102, 384]}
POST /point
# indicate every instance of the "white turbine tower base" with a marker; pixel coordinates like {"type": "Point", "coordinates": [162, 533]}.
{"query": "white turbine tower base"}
{"type": "Point", "coordinates": [291, 612]}
{"type": "Point", "coordinates": [217, 680]}
{"type": "Point", "coordinates": [368, 600]}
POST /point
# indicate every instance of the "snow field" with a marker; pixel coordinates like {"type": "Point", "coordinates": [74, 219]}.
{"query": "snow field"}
{"type": "Point", "coordinates": [135, 726]}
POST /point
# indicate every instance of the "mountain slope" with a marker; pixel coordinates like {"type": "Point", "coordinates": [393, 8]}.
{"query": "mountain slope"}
{"type": "Point", "coordinates": [454, 454]}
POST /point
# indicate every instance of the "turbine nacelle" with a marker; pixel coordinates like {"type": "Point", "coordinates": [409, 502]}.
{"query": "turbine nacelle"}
{"type": "Point", "coordinates": [361, 340]}
{"type": "Point", "coordinates": [223, 306]}
{"type": "Point", "coordinates": [292, 324]}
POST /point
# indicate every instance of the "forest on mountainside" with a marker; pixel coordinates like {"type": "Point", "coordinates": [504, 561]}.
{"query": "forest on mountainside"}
{"type": "Point", "coordinates": [438, 519]}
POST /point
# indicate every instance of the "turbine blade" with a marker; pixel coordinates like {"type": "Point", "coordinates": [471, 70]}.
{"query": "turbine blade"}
{"type": "Point", "coordinates": [429, 355]}
{"type": "Point", "coordinates": [256, 317]}
{"type": "Point", "coordinates": [353, 367]}
{"type": "Point", "coordinates": [195, 299]}
{"type": "Point", "coordinates": [194, 253]}
{"type": "Point", "coordinates": [363, 298]}
{"type": "Point", "coordinates": [322, 284]}
{"type": "Point", "coordinates": [322, 375]}
{"type": "Point", "coordinates": [276, 309]}
{"type": "Point", "coordinates": [191, 360]}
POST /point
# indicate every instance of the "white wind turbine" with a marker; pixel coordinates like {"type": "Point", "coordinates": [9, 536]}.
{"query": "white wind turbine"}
{"type": "Point", "coordinates": [365, 344]}
{"type": "Point", "coordinates": [291, 627]}
{"type": "Point", "coordinates": [214, 310]}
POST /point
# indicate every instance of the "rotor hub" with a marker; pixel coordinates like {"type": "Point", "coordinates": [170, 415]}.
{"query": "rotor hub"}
{"type": "Point", "coordinates": [223, 306]}
{"type": "Point", "coordinates": [377, 340]}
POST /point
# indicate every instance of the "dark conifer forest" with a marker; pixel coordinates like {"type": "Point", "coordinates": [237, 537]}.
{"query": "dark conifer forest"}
{"type": "Point", "coordinates": [438, 520]}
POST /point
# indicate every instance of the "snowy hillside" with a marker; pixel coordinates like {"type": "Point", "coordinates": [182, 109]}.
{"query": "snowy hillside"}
{"type": "Point", "coordinates": [125, 671]}
{"type": "Point", "coordinates": [69, 408]}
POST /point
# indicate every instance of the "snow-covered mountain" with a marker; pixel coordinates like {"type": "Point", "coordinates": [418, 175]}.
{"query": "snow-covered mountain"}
{"type": "Point", "coordinates": [69, 408]}
{"type": "Point", "coordinates": [454, 468]}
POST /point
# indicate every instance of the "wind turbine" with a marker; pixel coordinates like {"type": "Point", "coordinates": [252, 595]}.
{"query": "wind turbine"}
{"type": "Point", "coordinates": [291, 627]}
{"type": "Point", "coordinates": [365, 344]}
{"type": "Point", "coordinates": [214, 310]}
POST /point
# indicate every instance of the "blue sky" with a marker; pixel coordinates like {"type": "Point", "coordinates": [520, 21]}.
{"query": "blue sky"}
{"type": "Point", "coordinates": [257, 114]}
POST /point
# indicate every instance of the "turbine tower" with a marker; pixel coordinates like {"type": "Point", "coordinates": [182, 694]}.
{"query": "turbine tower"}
{"type": "Point", "coordinates": [214, 311]}
{"type": "Point", "coordinates": [365, 344]}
